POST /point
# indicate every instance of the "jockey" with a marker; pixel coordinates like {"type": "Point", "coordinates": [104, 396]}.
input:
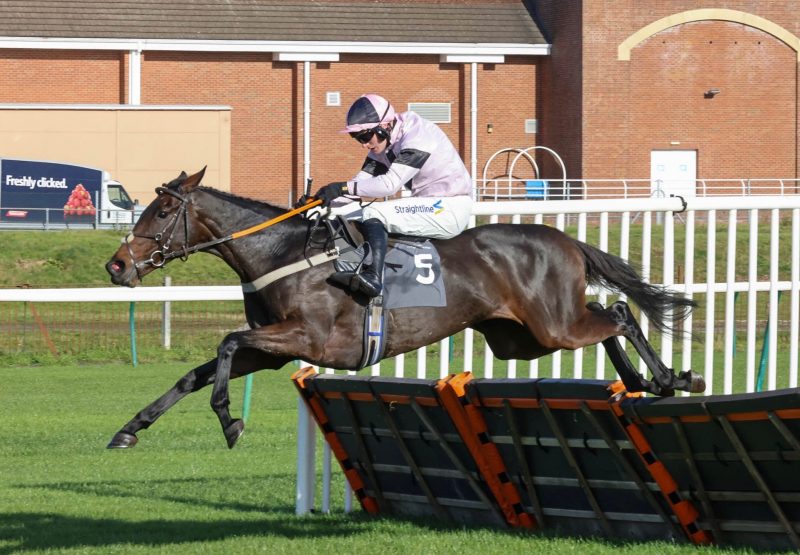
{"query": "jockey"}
{"type": "Point", "coordinates": [403, 151]}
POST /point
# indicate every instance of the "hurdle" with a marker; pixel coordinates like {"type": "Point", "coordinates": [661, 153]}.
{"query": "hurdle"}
{"type": "Point", "coordinates": [565, 455]}
{"type": "Point", "coordinates": [399, 449]}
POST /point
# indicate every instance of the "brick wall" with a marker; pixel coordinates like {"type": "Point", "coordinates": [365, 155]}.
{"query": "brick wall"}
{"type": "Point", "coordinates": [267, 101]}
{"type": "Point", "coordinates": [61, 76]}
{"type": "Point", "coordinates": [748, 130]}
{"type": "Point", "coordinates": [506, 97]}
{"type": "Point", "coordinates": [401, 80]}
{"type": "Point", "coordinates": [655, 100]}
{"type": "Point", "coordinates": [560, 86]}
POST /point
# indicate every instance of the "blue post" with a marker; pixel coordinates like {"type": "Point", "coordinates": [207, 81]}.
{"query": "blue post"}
{"type": "Point", "coordinates": [248, 387]}
{"type": "Point", "coordinates": [132, 322]}
{"type": "Point", "coordinates": [735, 298]}
{"type": "Point", "coordinates": [762, 365]}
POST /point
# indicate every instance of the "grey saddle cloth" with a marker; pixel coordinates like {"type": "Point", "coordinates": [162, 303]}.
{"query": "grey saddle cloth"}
{"type": "Point", "coordinates": [412, 274]}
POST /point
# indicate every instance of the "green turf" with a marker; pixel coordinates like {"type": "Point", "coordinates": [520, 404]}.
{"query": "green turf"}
{"type": "Point", "coordinates": [181, 490]}
{"type": "Point", "coordinates": [77, 258]}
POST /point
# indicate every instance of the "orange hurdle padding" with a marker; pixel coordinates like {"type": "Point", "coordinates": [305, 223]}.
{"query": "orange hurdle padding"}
{"type": "Point", "coordinates": [472, 428]}
{"type": "Point", "coordinates": [685, 511]}
{"type": "Point", "coordinates": [368, 503]}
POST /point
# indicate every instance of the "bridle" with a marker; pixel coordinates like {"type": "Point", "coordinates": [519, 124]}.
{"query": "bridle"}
{"type": "Point", "coordinates": [164, 251]}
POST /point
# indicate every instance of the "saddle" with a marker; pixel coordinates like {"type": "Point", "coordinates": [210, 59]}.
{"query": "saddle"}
{"type": "Point", "coordinates": [345, 235]}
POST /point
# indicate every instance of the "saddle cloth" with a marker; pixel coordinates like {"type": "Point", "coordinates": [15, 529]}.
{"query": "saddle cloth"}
{"type": "Point", "coordinates": [412, 274]}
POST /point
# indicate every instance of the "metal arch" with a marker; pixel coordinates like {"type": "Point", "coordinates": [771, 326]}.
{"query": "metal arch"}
{"type": "Point", "coordinates": [554, 154]}
{"type": "Point", "coordinates": [521, 152]}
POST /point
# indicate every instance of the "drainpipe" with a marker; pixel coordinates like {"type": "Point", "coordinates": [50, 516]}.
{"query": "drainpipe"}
{"type": "Point", "coordinates": [135, 76]}
{"type": "Point", "coordinates": [306, 58]}
{"type": "Point", "coordinates": [473, 60]}
{"type": "Point", "coordinates": [473, 133]}
{"type": "Point", "coordinates": [306, 122]}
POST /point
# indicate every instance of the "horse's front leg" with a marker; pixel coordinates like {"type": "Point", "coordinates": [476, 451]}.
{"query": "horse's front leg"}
{"type": "Point", "coordinates": [264, 347]}
{"type": "Point", "coordinates": [195, 379]}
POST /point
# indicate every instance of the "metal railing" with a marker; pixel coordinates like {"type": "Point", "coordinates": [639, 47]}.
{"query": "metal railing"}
{"type": "Point", "coordinates": [59, 218]}
{"type": "Point", "coordinates": [518, 188]}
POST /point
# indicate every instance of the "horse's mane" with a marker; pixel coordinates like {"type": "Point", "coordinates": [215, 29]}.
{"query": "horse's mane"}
{"type": "Point", "coordinates": [243, 202]}
{"type": "Point", "coordinates": [250, 204]}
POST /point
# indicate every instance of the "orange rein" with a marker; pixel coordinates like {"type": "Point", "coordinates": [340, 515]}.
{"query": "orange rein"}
{"type": "Point", "coordinates": [273, 221]}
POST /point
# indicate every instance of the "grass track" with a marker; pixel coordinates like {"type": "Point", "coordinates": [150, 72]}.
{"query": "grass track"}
{"type": "Point", "coordinates": [181, 490]}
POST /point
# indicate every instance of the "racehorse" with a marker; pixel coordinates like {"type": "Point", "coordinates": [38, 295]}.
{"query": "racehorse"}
{"type": "Point", "coordinates": [521, 285]}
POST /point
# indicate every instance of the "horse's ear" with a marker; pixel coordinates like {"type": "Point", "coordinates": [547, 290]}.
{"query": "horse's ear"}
{"type": "Point", "coordinates": [192, 181]}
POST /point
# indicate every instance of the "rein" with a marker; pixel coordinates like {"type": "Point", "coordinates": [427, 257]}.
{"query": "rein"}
{"type": "Point", "coordinates": [163, 253]}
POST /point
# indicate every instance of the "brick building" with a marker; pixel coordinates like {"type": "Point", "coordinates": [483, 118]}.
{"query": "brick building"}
{"type": "Point", "coordinates": [603, 84]}
{"type": "Point", "coordinates": [717, 79]}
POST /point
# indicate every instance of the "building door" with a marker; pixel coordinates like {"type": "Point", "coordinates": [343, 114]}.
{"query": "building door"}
{"type": "Point", "coordinates": [673, 172]}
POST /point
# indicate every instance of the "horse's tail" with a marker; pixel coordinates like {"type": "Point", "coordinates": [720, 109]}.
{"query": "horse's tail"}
{"type": "Point", "coordinates": [613, 273]}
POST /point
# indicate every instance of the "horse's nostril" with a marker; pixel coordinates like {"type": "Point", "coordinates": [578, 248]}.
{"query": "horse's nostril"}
{"type": "Point", "coordinates": [114, 267]}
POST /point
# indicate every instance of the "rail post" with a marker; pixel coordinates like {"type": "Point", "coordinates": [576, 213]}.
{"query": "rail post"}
{"type": "Point", "coordinates": [166, 316]}
{"type": "Point", "coordinates": [132, 323]}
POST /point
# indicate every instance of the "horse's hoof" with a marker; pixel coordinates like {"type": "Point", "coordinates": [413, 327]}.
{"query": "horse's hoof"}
{"type": "Point", "coordinates": [122, 440]}
{"type": "Point", "coordinates": [692, 382]}
{"type": "Point", "coordinates": [698, 383]}
{"type": "Point", "coordinates": [234, 432]}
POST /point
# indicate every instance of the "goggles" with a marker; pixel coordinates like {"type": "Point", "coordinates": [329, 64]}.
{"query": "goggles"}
{"type": "Point", "coordinates": [364, 136]}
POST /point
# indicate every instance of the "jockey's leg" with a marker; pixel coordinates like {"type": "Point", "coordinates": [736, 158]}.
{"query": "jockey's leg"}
{"type": "Point", "coordinates": [432, 217]}
{"type": "Point", "coordinates": [370, 280]}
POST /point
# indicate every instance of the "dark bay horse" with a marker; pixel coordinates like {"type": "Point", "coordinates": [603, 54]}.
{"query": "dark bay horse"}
{"type": "Point", "coordinates": [522, 286]}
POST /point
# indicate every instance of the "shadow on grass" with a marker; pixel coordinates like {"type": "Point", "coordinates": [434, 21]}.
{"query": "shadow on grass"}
{"type": "Point", "coordinates": [49, 530]}
{"type": "Point", "coordinates": [183, 490]}
{"type": "Point", "coordinates": [20, 531]}
{"type": "Point", "coordinates": [42, 531]}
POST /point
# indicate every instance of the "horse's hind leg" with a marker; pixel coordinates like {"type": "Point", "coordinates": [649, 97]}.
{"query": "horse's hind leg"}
{"type": "Point", "coordinates": [630, 377]}
{"type": "Point", "coordinates": [664, 377]}
{"type": "Point", "coordinates": [195, 379]}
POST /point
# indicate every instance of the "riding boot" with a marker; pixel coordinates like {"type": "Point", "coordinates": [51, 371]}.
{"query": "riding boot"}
{"type": "Point", "coordinates": [370, 280]}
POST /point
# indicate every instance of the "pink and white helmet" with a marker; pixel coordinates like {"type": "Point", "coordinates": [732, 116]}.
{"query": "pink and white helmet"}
{"type": "Point", "coordinates": [367, 112]}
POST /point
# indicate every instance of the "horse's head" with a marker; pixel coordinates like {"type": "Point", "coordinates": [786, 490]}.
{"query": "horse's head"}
{"type": "Point", "coordinates": [163, 232]}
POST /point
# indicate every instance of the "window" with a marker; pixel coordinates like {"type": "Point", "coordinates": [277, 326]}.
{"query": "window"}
{"type": "Point", "coordinates": [333, 99]}
{"type": "Point", "coordinates": [437, 112]}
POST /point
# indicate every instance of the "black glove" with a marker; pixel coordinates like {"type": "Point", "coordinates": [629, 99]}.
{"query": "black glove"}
{"type": "Point", "coordinates": [331, 191]}
{"type": "Point", "coordinates": [302, 201]}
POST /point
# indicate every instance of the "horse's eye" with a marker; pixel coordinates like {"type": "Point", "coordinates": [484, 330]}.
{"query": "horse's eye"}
{"type": "Point", "coordinates": [162, 214]}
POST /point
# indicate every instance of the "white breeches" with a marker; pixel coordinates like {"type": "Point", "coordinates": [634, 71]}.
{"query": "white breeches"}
{"type": "Point", "coordinates": [434, 217]}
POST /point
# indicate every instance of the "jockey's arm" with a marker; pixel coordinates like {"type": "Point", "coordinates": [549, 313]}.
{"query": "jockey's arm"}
{"type": "Point", "coordinates": [377, 180]}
